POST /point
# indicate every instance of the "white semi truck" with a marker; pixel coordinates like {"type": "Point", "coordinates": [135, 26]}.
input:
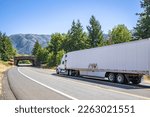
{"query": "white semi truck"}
{"type": "Point", "coordinates": [122, 63]}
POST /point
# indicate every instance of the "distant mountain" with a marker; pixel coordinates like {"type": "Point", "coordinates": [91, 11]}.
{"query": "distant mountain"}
{"type": "Point", "coordinates": [24, 43]}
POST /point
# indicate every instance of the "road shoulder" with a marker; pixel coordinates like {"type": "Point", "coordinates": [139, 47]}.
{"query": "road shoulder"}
{"type": "Point", "coordinates": [7, 93]}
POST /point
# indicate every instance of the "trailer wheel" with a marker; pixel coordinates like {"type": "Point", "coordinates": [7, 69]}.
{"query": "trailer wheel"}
{"type": "Point", "coordinates": [137, 81]}
{"type": "Point", "coordinates": [112, 77]}
{"type": "Point", "coordinates": [120, 78]}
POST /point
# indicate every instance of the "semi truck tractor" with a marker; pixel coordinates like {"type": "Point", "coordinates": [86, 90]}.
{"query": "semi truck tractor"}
{"type": "Point", "coordinates": [121, 63]}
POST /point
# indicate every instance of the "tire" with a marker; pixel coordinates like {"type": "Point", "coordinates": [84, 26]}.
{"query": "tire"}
{"type": "Point", "coordinates": [111, 77]}
{"type": "Point", "coordinates": [120, 78]}
{"type": "Point", "coordinates": [137, 81]}
{"type": "Point", "coordinates": [57, 71]}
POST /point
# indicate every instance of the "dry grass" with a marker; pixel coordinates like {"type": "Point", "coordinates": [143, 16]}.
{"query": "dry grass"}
{"type": "Point", "coordinates": [147, 79]}
{"type": "Point", "coordinates": [3, 67]}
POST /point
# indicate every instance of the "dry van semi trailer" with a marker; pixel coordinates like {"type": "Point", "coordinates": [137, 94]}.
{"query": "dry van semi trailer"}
{"type": "Point", "coordinates": [122, 63]}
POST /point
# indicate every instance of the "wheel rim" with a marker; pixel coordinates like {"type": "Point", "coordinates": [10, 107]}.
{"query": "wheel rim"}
{"type": "Point", "coordinates": [120, 78]}
{"type": "Point", "coordinates": [111, 77]}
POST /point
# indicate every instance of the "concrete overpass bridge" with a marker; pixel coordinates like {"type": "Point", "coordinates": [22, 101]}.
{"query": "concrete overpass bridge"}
{"type": "Point", "coordinates": [32, 59]}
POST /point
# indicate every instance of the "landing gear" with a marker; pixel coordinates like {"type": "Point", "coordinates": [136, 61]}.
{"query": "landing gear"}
{"type": "Point", "coordinates": [73, 73]}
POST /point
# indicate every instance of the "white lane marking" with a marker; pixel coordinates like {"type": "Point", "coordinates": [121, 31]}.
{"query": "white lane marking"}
{"type": "Point", "coordinates": [66, 95]}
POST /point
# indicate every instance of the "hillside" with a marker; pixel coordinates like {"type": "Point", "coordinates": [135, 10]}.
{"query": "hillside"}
{"type": "Point", "coordinates": [24, 42]}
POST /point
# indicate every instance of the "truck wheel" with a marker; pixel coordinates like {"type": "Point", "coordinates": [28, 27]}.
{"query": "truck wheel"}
{"type": "Point", "coordinates": [137, 81]}
{"type": "Point", "coordinates": [57, 71]}
{"type": "Point", "coordinates": [120, 78]}
{"type": "Point", "coordinates": [111, 77]}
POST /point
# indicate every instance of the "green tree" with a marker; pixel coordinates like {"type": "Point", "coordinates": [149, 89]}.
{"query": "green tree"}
{"type": "Point", "coordinates": [59, 56]}
{"type": "Point", "coordinates": [36, 48]}
{"type": "Point", "coordinates": [54, 46]}
{"type": "Point", "coordinates": [95, 34]}
{"type": "Point", "coordinates": [76, 38]}
{"type": "Point", "coordinates": [50, 61]}
{"type": "Point", "coordinates": [51, 58]}
{"type": "Point", "coordinates": [6, 49]}
{"type": "Point", "coordinates": [142, 29]}
{"type": "Point", "coordinates": [42, 55]}
{"type": "Point", "coordinates": [119, 34]}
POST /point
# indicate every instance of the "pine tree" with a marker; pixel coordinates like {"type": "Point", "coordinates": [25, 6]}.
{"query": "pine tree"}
{"type": "Point", "coordinates": [36, 48]}
{"type": "Point", "coordinates": [76, 38]}
{"type": "Point", "coordinates": [142, 29]}
{"type": "Point", "coordinates": [6, 49]}
{"type": "Point", "coordinates": [95, 34]}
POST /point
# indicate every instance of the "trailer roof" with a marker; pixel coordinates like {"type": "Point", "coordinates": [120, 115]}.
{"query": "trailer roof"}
{"type": "Point", "coordinates": [133, 41]}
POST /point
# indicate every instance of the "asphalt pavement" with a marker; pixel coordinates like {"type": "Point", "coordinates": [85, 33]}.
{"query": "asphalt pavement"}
{"type": "Point", "coordinates": [28, 83]}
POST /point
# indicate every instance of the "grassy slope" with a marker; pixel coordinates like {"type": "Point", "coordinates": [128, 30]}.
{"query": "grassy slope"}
{"type": "Point", "coordinates": [147, 79]}
{"type": "Point", "coordinates": [3, 67]}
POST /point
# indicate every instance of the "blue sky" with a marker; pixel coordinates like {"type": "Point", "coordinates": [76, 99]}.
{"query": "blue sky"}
{"type": "Point", "coordinates": [50, 16]}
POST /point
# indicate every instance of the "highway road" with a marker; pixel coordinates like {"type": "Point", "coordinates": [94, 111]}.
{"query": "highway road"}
{"type": "Point", "coordinates": [28, 83]}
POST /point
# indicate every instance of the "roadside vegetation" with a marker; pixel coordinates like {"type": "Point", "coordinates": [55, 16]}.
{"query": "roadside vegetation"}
{"type": "Point", "coordinates": [7, 51]}
{"type": "Point", "coordinates": [3, 67]}
{"type": "Point", "coordinates": [147, 79]}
